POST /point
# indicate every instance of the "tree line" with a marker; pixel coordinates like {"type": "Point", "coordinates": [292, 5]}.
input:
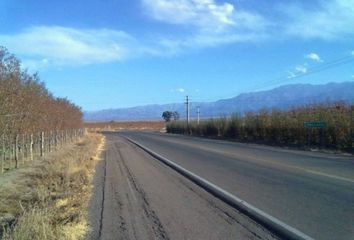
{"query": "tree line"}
{"type": "Point", "coordinates": [26, 105]}
{"type": "Point", "coordinates": [281, 127]}
{"type": "Point", "coordinates": [30, 115]}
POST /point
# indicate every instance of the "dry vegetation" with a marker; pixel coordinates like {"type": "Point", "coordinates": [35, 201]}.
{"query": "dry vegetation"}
{"type": "Point", "coordinates": [28, 110]}
{"type": "Point", "coordinates": [141, 125]}
{"type": "Point", "coordinates": [49, 199]}
{"type": "Point", "coordinates": [26, 105]}
{"type": "Point", "coordinates": [284, 128]}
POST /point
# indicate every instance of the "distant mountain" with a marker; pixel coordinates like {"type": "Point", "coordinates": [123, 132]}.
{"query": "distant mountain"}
{"type": "Point", "coordinates": [282, 98]}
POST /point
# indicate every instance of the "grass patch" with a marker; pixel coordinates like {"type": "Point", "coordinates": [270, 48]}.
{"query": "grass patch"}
{"type": "Point", "coordinates": [49, 200]}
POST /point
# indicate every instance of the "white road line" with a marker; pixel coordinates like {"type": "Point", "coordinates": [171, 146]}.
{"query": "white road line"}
{"type": "Point", "coordinates": [273, 224]}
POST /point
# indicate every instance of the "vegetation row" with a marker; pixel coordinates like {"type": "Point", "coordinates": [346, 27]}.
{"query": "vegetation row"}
{"type": "Point", "coordinates": [31, 118]}
{"type": "Point", "coordinates": [280, 127]}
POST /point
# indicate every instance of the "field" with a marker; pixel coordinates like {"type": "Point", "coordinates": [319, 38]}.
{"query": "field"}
{"type": "Point", "coordinates": [139, 125]}
{"type": "Point", "coordinates": [48, 200]}
{"type": "Point", "coordinates": [281, 127]}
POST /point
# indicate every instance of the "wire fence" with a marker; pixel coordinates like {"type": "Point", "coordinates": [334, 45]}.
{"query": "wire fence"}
{"type": "Point", "coordinates": [17, 150]}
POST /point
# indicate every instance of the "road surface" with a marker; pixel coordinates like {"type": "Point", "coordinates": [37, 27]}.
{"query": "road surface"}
{"type": "Point", "coordinates": [137, 197]}
{"type": "Point", "coordinates": [313, 192]}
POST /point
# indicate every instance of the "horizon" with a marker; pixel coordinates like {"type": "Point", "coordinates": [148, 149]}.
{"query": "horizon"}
{"type": "Point", "coordinates": [173, 103]}
{"type": "Point", "coordinates": [119, 55]}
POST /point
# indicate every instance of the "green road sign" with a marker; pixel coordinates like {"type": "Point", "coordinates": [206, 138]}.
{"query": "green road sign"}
{"type": "Point", "coordinates": [315, 124]}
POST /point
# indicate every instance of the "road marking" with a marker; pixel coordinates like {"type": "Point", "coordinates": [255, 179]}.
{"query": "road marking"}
{"type": "Point", "coordinates": [279, 164]}
{"type": "Point", "coordinates": [330, 176]}
{"type": "Point", "coordinates": [273, 224]}
{"type": "Point", "coordinates": [233, 155]}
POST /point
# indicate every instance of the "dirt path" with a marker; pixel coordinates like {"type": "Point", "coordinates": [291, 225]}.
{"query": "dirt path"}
{"type": "Point", "coordinates": [137, 197]}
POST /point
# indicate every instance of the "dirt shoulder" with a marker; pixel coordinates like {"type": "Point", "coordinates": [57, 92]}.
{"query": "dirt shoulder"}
{"type": "Point", "coordinates": [48, 200]}
{"type": "Point", "coordinates": [137, 197]}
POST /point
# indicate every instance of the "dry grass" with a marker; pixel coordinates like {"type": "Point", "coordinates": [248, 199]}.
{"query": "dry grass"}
{"type": "Point", "coordinates": [49, 200]}
{"type": "Point", "coordinates": [139, 125]}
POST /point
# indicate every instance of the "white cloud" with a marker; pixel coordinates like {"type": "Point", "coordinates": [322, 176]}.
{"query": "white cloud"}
{"type": "Point", "coordinates": [301, 69]}
{"type": "Point", "coordinates": [40, 47]}
{"type": "Point", "coordinates": [179, 90]}
{"type": "Point", "coordinates": [205, 15]}
{"type": "Point", "coordinates": [291, 75]}
{"type": "Point", "coordinates": [206, 22]}
{"type": "Point", "coordinates": [202, 13]}
{"type": "Point", "coordinates": [314, 56]}
{"type": "Point", "coordinates": [298, 70]}
{"type": "Point", "coordinates": [35, 64]}
{"type": "Point", "coordinates": [199, 24]}
{"type": "Point", "coordinates": [172, 46]}
{"type": "Point", "coordinates": [331, 19]}
{"type": "Point", "coordinates": [53, 45]}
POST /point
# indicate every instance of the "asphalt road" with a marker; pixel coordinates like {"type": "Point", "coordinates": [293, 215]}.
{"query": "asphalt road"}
{"type": "Point", "coordinates": [311, 191]}
{"type": "Point", "coordinates": [137, 197]}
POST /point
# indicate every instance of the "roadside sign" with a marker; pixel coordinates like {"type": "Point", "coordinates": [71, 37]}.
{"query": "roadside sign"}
{"type": "Point", "coordinates": [315, 124]}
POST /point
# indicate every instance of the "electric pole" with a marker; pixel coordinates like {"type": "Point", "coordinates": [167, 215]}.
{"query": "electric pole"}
{"type": "Point", "coordinates": [198, 113]}
{"type": "Point", "coordinates": [187, 109]}
{"type": "Point", "coordinates": [352, 126]}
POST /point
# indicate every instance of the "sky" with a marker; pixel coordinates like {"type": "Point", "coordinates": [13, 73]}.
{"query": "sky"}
{"type": "Point", "coordinates": [116, 53]}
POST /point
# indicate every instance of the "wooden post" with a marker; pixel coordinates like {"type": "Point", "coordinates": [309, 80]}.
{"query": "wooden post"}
{"type": "Point", "coordinates": [56, 139]}
{"type": "Point", "coordinates": [16, 151]}
{"type": "Point", "coordinates": [38, 142]}
{"type": "Point", "coordinates": [31, 147]}
{"type": "Point", "coordinates": [60, 139]}
{"type": "Point", "coordinates": [42, 144]}
{"type": "Point", "coordinates": [50, 141]}
{"type": "Point", "coordinates": [26, 146]}
{"type": "Point", "coordinates": [23, 149]}
{"type": "Point", "coordinates": [3, 154]}
{"type": "Point", "coordinates": [12, 151]}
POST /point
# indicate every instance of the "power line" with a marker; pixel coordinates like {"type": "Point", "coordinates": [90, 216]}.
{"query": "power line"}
{"type": "Point", "coordinates": [316, 69]}
{"type": "Point", "coordinates": [299, 74]}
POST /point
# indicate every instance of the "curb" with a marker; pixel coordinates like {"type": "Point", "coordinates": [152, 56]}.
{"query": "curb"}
{"type": "Point", "coordinates": [271, 223]}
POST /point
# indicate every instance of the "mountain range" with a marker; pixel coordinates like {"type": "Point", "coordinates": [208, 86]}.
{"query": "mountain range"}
{"type": "Point", "coordinates": [282, 97]}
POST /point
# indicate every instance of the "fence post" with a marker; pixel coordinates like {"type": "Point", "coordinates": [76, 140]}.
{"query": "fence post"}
{"type": "Point", "coordinates": [50, 141]}
{"type": "Point", "coordinates": [42, 144]}
{"type": "Point", "coordinates": [31, 147]}
{"type": "Point", "coordinates": [3, 154]}
{"type": "Point", "coordinates": [22, 148]}
{"type": "Point", "coordinates": [56, 139]}
{"type": "Point", "coordinates": [16, 151]}
{"type": "Point", "coordinates": [12, 150]}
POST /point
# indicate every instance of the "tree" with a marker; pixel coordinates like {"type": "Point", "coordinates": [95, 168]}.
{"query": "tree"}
{"type": "Point", "coordinates": [175, 115]}
{"type": "Point", "coordinates": [167, 115]}
{"type": "Point", "coordinates": [26, 105]}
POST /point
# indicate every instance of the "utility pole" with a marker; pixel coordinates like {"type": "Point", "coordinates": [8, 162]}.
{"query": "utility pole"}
{"type": "Point", "coordinates": [352, 126]}
{"type": "Point", "coordinates": [198, 114]}
{"type": "Point", "coordinates": [187, 109]}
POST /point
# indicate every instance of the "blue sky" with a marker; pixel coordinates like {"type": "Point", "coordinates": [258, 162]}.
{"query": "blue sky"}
{"type": "Point", "coordinates": [115, 53]}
